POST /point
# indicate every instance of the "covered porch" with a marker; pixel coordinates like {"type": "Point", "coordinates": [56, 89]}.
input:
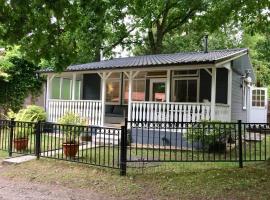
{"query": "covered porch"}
{"type": "Point", "coordinates": [186, 93]}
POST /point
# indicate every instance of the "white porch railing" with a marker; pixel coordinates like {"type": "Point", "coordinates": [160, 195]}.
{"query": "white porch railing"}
{"type": "Point", "coordinates": [222, 112]}
{"type": "Point", "coordinates": [176, 112]}
{"type": "Point", "coordinates": [172, 112]}
{"type": "Point", "coordinates": [91, 110]}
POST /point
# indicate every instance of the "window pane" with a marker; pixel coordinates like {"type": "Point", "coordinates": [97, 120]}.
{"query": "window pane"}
{"type": "Point", "coordinates": [192, 91]}
{"type": "Point", "coordinates": [180, 91]}
{"type": "Point", "coordinates": [158, 93]}
{"type": "Point", "coordinates": [157, 73]}
{"type": "Point", "coordinates": [78, 90]}
{"type": "Point", "coordinates": [115, 75]}
{"type": "Point", "coordinates": [125, 91]}
{"type": "Point", "coordinates": [186, 72]}
{"type": "Point", "coordinates": [66, 89]}
{"type": "Point", "coordinates": [112, 91]}
{"type": "Point", "coordinates": [55, 88]}
{"type": "Point", "coordinates": [138, 90]}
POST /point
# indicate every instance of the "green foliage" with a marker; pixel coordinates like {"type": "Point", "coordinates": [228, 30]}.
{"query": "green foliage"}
{"type": "Point", "coordinates": [31, 113]}
{"type": "Point", "coordinates": [21, 82]}
{"type": "Point", "coordinates": [213, 135]}
{"type": "Point", "coordinates": [74, 129]}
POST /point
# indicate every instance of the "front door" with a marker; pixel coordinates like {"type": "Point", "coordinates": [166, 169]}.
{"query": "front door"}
{"type": "Point", "coordinates": [158, 90]}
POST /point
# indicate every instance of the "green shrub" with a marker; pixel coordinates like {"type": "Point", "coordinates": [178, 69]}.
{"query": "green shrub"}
{"type": "Point", "coordinates": [31, 113]}
{"type": "Point", "coordinates": [71, 133]}
{"type": "Point", "coordinates": [213, 135]}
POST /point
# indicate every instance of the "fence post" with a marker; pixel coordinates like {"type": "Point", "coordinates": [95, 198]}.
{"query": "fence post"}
{"type": "Point", "coordinates": [37, 133]}
{"type": "Point", "coordinates": [12, 125]}
{"type": "Point", "coordinates": [240, 143]}
{"type": "Point", "coordinates": [123, 150]}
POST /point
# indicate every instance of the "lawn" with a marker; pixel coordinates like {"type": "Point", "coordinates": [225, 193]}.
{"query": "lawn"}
{"type": "Point", "coordinates": [167, 181]}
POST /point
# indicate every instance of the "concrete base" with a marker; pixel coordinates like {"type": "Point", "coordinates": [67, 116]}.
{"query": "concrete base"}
{"type": "Point", "coordinates": [18, 160]}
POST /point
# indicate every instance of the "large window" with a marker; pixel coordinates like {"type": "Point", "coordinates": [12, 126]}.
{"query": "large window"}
{"type": "Point", "coordinates": [62, 88]}
{"type": "Point", "coordinates": [138, 90]}
{"type": "Point", "coordinates": [185, 86]}
{"type": "Point", "coordinates": [113, 86]}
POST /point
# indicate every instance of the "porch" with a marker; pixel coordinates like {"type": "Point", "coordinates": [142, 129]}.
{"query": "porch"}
{"type": "Point", "coordinates": [173, 95]}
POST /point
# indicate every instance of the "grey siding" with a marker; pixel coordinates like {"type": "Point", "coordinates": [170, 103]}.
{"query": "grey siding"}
{"type": "Point", "coordinates": [239, 66]}
{"type": "Point", "coordinates": [91, 87]}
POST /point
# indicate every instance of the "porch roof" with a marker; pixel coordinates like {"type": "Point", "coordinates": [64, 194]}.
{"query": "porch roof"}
{"type": "Point", "coordinates": [183, 58]}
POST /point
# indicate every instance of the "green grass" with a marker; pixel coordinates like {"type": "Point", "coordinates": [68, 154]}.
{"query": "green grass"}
{"type": "Point", "coordinates": [169, 181]}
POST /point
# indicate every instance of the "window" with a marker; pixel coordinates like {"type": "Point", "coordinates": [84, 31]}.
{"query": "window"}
{"type": "Point", "coordinates": [113, 88]}
{"type": "Point", "coordinates": [258, 98]}
{"type": "Point", "coordinates": [138, 90]}
{"type": "Point", "coordinates": [185, 85]}
{"type": "Point", "coordinates": [62, 88]}
{"type": "Point", "coordinates": [185, 90]}
{"type": "Point", "coordinates": [186, 73]}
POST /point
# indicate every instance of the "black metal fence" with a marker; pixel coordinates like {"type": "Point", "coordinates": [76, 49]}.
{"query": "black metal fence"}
{"type": "Point", "coordinates": [197, 142]}
{"type": "Point", "coordinates": [138, 142]}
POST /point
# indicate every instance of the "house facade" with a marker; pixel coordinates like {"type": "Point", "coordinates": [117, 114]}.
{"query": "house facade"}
{"type": "Point", "coordinates": [189, 86]}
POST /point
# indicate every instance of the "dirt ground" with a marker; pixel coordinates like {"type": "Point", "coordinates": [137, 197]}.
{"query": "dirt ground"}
{"type": "Point", "coordinates": [21, 190]}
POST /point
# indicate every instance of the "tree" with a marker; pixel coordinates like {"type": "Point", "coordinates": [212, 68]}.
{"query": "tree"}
{"type": "Point", "coordinates": [63, 32]}
{"type": "Point", "coordinates": [161, 20]}
{"type": "Point", "coordinates": [19, 82]}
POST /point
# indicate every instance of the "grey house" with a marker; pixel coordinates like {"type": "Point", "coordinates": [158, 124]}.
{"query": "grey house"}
{"type": "Point", "coordinates": [188, 86]}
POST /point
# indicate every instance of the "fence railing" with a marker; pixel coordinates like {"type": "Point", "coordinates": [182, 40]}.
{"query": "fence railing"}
{"type": "Point", "coordinates": [138, 142]}
{"type": "Point", "coordinates": [197, 142]}
{"type": "Point", "coordinates": [91, 110]}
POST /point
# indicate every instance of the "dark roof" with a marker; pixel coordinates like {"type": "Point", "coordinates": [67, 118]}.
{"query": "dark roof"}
{"type": "Point", "coordinates": [184, 58]}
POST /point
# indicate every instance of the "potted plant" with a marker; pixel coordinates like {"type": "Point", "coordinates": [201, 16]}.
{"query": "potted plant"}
{"type": "Point", "coordinates": [29, 114]}
{"type": "Point", "coordinates": [71, 127]}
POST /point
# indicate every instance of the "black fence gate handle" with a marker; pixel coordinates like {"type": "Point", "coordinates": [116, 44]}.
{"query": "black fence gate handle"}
{"type": "Point", "coordinates": [123, 150]}
{"type": "Point", "coordinates": [240, 143]}
{"type": "Point", "coordinates": [38, 137]}
{"type": "Point", "coordinates": [11, 134]}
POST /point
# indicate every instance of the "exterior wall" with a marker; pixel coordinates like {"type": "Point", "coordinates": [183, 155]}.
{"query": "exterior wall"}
{"type": "Point", "coordinates": [91, 87]}
{"type": "Point", "coordinates": [239, 66]}
{"type": "Point", "coordinates": [38, 101]}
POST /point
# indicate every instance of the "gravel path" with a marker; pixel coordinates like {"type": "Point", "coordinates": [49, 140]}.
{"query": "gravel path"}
{"type": "Point", "coordinates": [19, 190]}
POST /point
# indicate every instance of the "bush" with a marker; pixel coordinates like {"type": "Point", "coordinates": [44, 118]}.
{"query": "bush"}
{"type": "Point", "coordinates": [213, 135]}
{"type": "Point", "coordinates": [31, 113]}
{"type": "Point", "coordinates": [71, 133]}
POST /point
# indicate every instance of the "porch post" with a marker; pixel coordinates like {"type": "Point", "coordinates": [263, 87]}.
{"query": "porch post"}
{"type": "Point", "coordinates": [48, 91]}
{"type": "Point", "coordinates": [103, 97]}
{"type": "Point", "coordinates": [73, 85]}
{"type": "Point", "coordinates": [130, 83]}
{"type": "Point", "coordinates": [213, 92]}
{"type": "Point", "coordinates": [168, 86]}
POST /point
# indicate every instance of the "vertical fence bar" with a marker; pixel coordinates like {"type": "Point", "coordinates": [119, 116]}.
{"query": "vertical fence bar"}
{"type": "Point", "coordinates": [12, 125]}
{"type": "Point", "coordinates": [123, 150]}
{"type": "Point", "coordinates": [240, 143]}
{"type": "Point", "coordinates": [37, 134]}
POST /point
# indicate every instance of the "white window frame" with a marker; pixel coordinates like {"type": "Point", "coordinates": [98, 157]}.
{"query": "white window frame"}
{"type": "Point", "coordinates": [135, 79]}
{"type": "Point", "coordinates": [61, 84]}
{"type": "Point", "coordinates": [114, 80]}
{"type": "Point", "coordinates": [265, 100]}
{"type": "Point", "coordinates": [160, 80]}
